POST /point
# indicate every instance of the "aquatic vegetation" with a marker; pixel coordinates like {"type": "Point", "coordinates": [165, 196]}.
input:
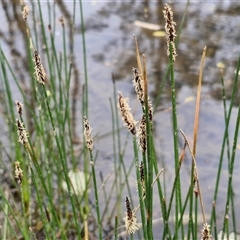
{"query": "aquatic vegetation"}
{"type": "Point", "coordinates": [53, 186]}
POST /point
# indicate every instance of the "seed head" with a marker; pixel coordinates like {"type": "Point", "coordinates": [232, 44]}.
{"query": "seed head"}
{"type": "Point", "coordinates": [18, 172]}
{"type": "Point", "coordinates": [130, 219]}
{"type": "Point", "coordinates": [142, 178]}
{"type": "Point", "coordinates": [150, 110]}
{"type": "Point", "coordinates": [206, 232]}
{"type": "Point", "coordinates": [139, 85]}
{"type": "Point", "coordinates": [87, 133]}
{"type": "Point", "coordinates": [22, 133]}
{"type": "Point", "coordinates": [142, 134]}
{"type": "Point", "coordinates": [25, 12]}
{"type": "Point", "coordinates": [170, 30]}
{"type": "Point", "coordinates": [39, 70]}
{"type": "Point", "coordinates": [19, 107]}
{"type": "Point", "coordinates": [195, 182]}
{"type": "Point", "coordinates": [127, 116]}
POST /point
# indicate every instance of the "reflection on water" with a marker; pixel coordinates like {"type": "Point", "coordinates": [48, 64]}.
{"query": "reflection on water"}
{"type": "Point", "coordinates": [110, 48]}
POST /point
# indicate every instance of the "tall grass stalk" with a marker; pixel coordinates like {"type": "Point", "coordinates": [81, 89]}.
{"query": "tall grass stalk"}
{"type": "Point", "coordinates": [171, 52]}
{"type": "Point", "coordinates": [166, 73]}
{"type": "Point", "coordinates": [96, 197]}
{"type": "Point", "coordinates": [85, 100]}
{"type": "Point", "coordinates": [140, 192]}
{"type": "Point", "coordinates": [89, 143]}
{"type": "Point", "coordinates": [150, 159]}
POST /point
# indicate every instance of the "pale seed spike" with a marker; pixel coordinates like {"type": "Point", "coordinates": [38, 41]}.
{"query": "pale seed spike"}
{"type": "Point", "coordinates": [206, 232]}
{"type": "Point", "coordinates": [150, 110]}
{"type": "Point", "coordinates": [22, 133]}
{"type": "Point", "coordinates": [18, 172]}
{"type": "Point", "coordinates": [25, 12]}
{"type": "Point", "coordinates": [87, 133]}
{"type": "Point", "coordinates": [127, 116]}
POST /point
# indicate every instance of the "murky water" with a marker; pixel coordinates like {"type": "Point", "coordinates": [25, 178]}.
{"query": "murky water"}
{"type": "Point", "coordinates": [110, 49]}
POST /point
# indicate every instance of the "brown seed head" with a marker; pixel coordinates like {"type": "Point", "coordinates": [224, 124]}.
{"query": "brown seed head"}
{"type": "Point", "coordinates": [142, 134]}
{"type": "Point", "coordinates": [170, 30]}
{"type": "Point", "coordinates": [18, 172]}
{"type": "Point", "coordinates": [22, 133]}
{"type": "Point", "coordinates": [142, 178]}
{"type": "Point", "coordinates": [19, 107]}
{"type": "Point", "coordinates": [130, 219]}
{"type": "Point", "coordinates": [139, 85]}
{"type": "Point", "coordinates": [39, 70]}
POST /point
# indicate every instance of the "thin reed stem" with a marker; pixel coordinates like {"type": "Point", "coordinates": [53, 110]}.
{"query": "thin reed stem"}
{"type": "Point", "coordinates": [161, 197]}
{"type": "Point", "coordinates": [171, 52]}
{"type": "Point", "coordinates": [175, 136]}
{"type": "Point", "coordinates": [115, 156]}
{"type": "Point", "coordinates": [7, 207]}
{"type": "Point", "coordinates": [225, 137]}
{"type": "Point", "coordinates": [85, 99]}
{"type": "Point", "coordinates": [115, 228]}
{"type": "Point", "coordinates": [149, 193]}
{"type": "Point", "coordinates": [228, 149]}
{"type": "Point", "coordinates": [230, 170]}
{"type": "Point", "coordinates": [96, 196]}
{"type": "Point", "coordinates": [140, 193]}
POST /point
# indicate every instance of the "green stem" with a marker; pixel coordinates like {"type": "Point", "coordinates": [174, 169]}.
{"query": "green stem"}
{"type": "Point", "coordinates": [96, 196]}
{"type": "Point", "coordinates": [230, 171]}
{"type": "Point", "coordinates": [176, 180]}
{"type": "Point", "coordinates": [161, 198]}
{"type": "Point", "coordinates": [228, 152]}
{"type": "Point", "coordinates": [140, 194]}
{"type": "Point", "coordinates": [225, 137]}
{"type": "Point", "coordinates": [85, 100]}
{"type": "Point", "coordinates": [175, 135]}
{"type": "Point", "coordinates": [115, 228]}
